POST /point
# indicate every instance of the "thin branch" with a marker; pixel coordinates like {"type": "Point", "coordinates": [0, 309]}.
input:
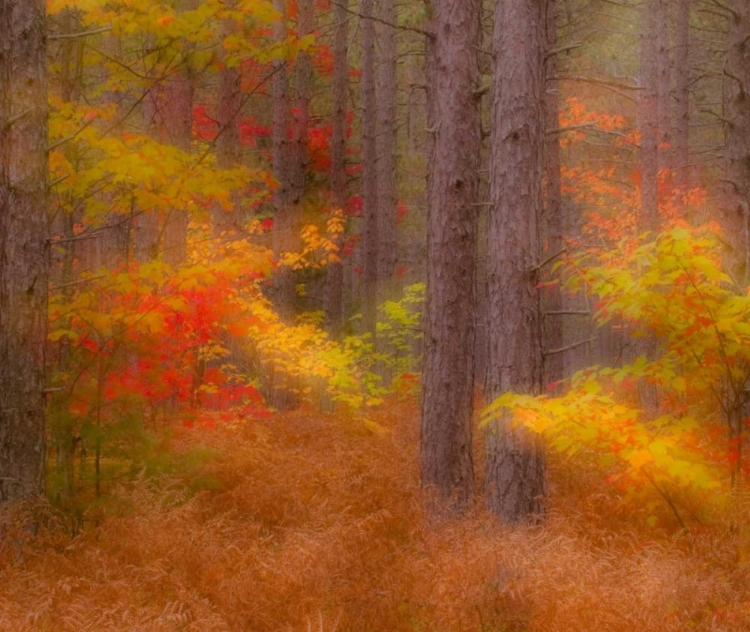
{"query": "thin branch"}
{"type": "Point", "coordinates": [18, 117]}
{"type": "Point", "coordinates": [413, 29]}
{"type": "Point", "coordinates": [666, 497]}
{"type": "Point", "coordinates": [67, 139]}
{"type": "Point", "coordinates": [568, 128]}
{"type": "Point", "coordinates": [68, 36]}
{"type": "Point", "coordinates": [563, 49]}
{"type": "Point", "coordinates": [569, 347]}
{"type": "Point", "coordinates": [548, 260]}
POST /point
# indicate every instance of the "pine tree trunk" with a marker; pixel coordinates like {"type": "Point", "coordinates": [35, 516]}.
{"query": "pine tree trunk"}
{"type": "Point", "coordinates": [664, 83]}
{"type": "Point", "coordinates": [284, 285]}
{"type": "Point", "coordinates": [453, 190]}
{"type": "Point", "coordinates": [648, 117]}
{"type": "Point", "coordinates": [554, 365]}
{"type": "Point", "coordinates": [369, 287]}
{"type": "Point", "coordinates": [737, 205]}
{"type": "Point", "coordinates": [335, 277]}
{"type": "Point", "coordinates": [228, 148]}
{"type": "Point", "coordinates": [178, 126]}
{"type": "Point", "coordinates": [387, 198]}
{"type": "Point", "coordinates": [682, 96]}
{"type": "Point", "coordinates": [515, 479]}
{"type": "Point", "coordinates": [24, 255]}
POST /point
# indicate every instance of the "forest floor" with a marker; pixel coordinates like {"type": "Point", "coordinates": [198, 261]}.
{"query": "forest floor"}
{"type": "Point", "coordinates": [315, 522]}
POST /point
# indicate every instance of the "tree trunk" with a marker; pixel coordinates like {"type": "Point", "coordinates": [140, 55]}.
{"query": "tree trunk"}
{"type": "Point", "coordinates": [664, 84]}
{"type": "Point", "coordinates": [682, 96]}
{"type": "Point", "coordinates": [515, 479]}
{"type": "Point", "coordinates": [178, 126]}
{"type": "Point", "coordinates": [453, 191]}
{"type": "Point", "coordinates": [335, 278]}
{"type": "Point", "coordinates": [228, 148]}
{"type": "Point", "coordinates": [284, 285]}
{"type": "Point", "coordinates": [301, 123]}
{"type": "Point", "coordinates": [387, 198]}
{"type": "Point", "coordinates": [648, 117]}
{"type": "Point", "coordinates": [554, 365]}
{"type": "Point", "coordinates": [369, 294]}
{"type": "Point", "coordinates": [24, 255]}
{"type": "Point", "coordinates": [737, 210]}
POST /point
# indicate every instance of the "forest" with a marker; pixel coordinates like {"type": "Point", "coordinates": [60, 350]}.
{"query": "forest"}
{"type": "Point", "coordinates": [375, 315]}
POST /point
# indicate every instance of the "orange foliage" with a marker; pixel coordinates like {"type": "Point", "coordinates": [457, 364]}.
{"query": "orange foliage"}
{"type": "Point", "coordinates": [315, 523]}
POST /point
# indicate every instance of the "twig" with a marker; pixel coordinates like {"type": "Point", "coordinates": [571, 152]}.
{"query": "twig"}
{"type": "Point", "coordinates": [568, 128]}
{"type": "Point", "coordinates": [67, 139]}
{"type": "Point", "coordinates": [17, 117]}
{"type": "Point", "coordinates": [67, 36]}
{"type": "Point", "coordinates": [666, 497]}
{"type": "Point", "coordinates": [569, 347]}
{"type": "Point", "coordinates": [548, 260]}
{"type": "Point", "coordinates": [562, 49]}
{"type": "Point", "coordinates": [413, 29]}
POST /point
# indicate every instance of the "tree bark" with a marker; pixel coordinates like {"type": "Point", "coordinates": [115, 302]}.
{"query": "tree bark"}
{"type": "Point", "coordinates": [664, 84]}
{"type": "Point", "coordinates": [335, 277]}
{"type": "Point", "coordinates": [736, 218]}
{"type": "Point", "coordinates": [682, 96]}
{"type": "Point", "coordinates": [387, 197]}
{"type": "Point", "coordinates": [648, 117]}
{"type": "Point", "coordinates": [284, 285]}
{"type": "Point", "coordinates": [228, 148]}
{"type": "Point", "coordinates": [368, 293]}
{"type": "Point", "coordinates": [178, 127]}
{"type": "Point", "coordinates": [515, 479]}
{"type": "Point", "coordinates": [24, 255]}
{"type": "Point", "coordinates": [453, 189]}
{"type": "Point", "coordinates": [554, 366]}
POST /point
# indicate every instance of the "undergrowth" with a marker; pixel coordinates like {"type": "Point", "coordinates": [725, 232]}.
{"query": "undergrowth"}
{"type": "Point", "coordinates": [313, 522]}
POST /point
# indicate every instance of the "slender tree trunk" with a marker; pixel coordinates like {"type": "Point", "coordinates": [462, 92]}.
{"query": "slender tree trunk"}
{"type": "Point", "coordinates": [301, 122]}
{"type": "Point", "coordinates": [664, 83]}
{"type": "Point", "coordinates": [284, 285]}
{"type": "Point", "coordinates": [737, 194]}
{"type": "Point", "coordinates": [228, 148]}
{"type": "Point", "coordinates": [453, 191]}
{"type": "Point", "coordinates": [335, 278]}
{"type": "Point", "coordinates": [648, 117]}
{"type": "Point", "coordinates": [71, 67]}
{"type": "Point", "coordinates": [178, 126]}
{"type": "Point", "coordinates": [24, 256]}
{"type": "Point", "coordinates": [554, 365]}
{"type": "Point", "coordinates": [515, 479]}
{"type": "Point", "coordinates": [387, 197]}
{"type": "Point", "coordinates": [682, 96]}
{"type": "Point", "coordinates": [369, 297]}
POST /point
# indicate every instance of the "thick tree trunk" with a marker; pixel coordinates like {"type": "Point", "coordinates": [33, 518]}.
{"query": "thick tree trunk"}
{"type": "Point", "coordinates": [737, 205]}
{"type": "Point", "coordinates": [24, 256]}
{"type": "Point", "coordinates": [648, 117]}
{"type": "Point", "coordinates": [554, 365]}
{"type": "Point", "coordinates": [369, 293]}
{"type": "Point", "coordinates": [335, 278]}
{"type": "Point", "coordinates": [453, 190]}
{"type": "Point", "coordinates": [387, 198]}
{"type": "Point", "coordinates": [682, 96]}
{"type": "Point", "coordinates": [515, 480]}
